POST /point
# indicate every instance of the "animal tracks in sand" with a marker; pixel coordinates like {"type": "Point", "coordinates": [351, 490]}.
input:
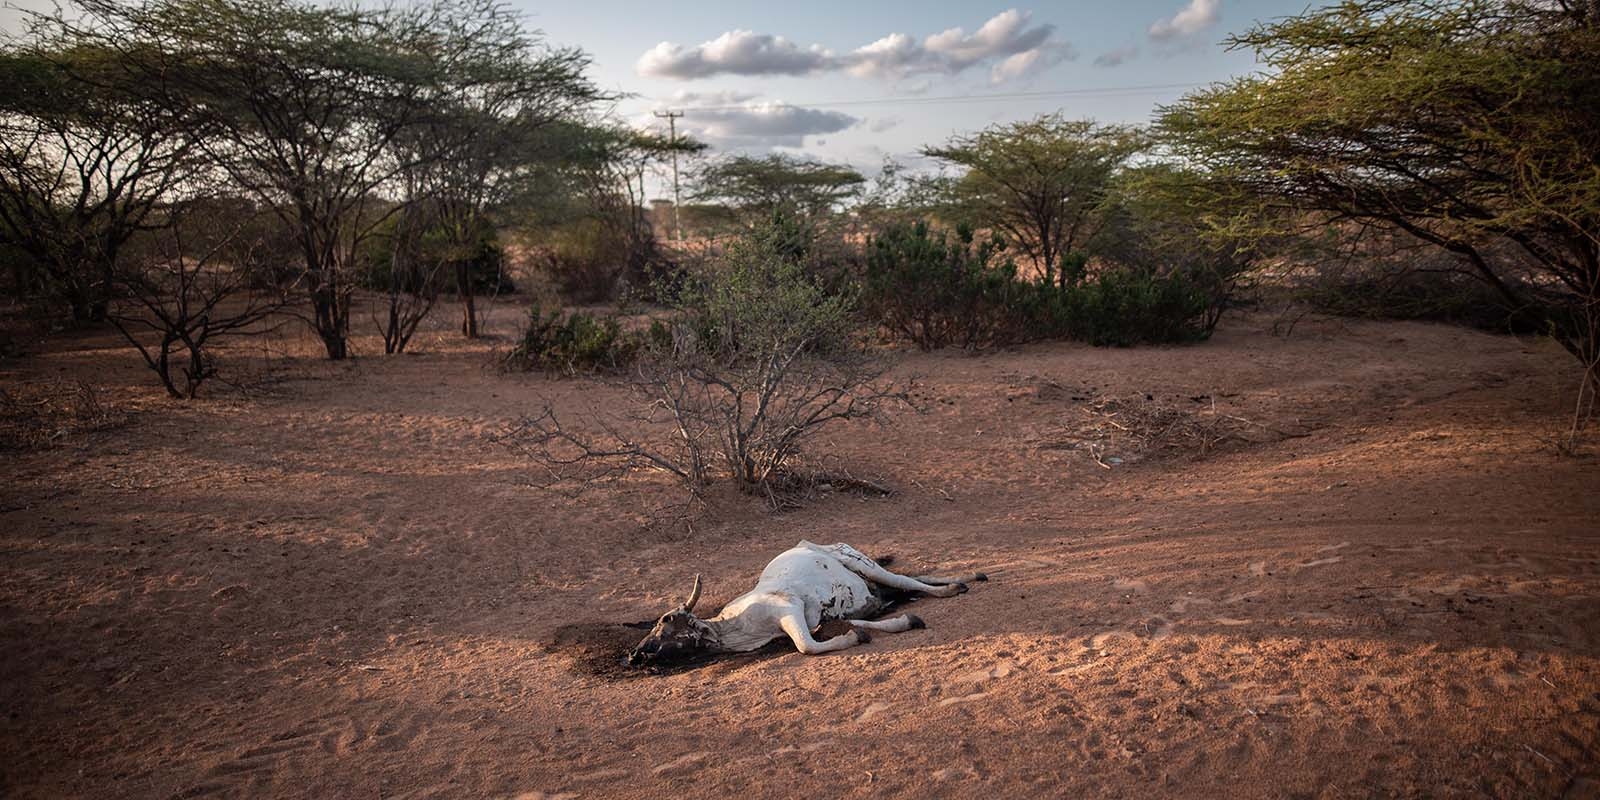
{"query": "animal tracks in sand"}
{"type": "Point", "coordinates": [1258, 569]}
{"type": "Point", "coordinates": [950, 701]}
{"type": "Point", "coordinates": [999, 670]}
{"type": "Point", "coordinates": [974, 678]}
{"type": "Point", "coordinates": [871, 711]}
{"type": "Point", "coordinates": [954, 773]}
{"type": "Point", "coordinates": [811, 747]}
{"type": "Point", "coordinates": [1181, 605]}
{"type": "Point", "coordinates": [682, 762]}
{"type": "Point", "coordinates": [1318, 562]}
{"type": "Point", "coordinates": [1100, 641]}
{"type": "Point", "coordinates": [253, 765]}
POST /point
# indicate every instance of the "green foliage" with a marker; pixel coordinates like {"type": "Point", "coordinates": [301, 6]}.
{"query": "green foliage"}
{"type": "Point", "coordinates": [1416, 284]}
{"type": "Point", "coordinates": [326, 113]}
{"type": "Point", "coordinates": [583, 259]}
{"type": "Point", "coordinates": [1040, 183]}
{"type": "Point", "coordinates": [759, 302]}
{"type": "Point", "coordinates": [577, 342]}
{"type": "Point", "coordinates": [1123, 307]}
{"type": "Point", "coordinates": [1470, 126]}
{"type": "Point", "coordinates": [410, 261]}
{"type": "Point", "coordinates": [761, 357]}
{"type": "Point", "coordinates": [586, 222]}
{"type": "Point", "coordinates": [759, 187]}
{"type": "Point", "coordinates": [755, 359]}
{"type": "Point", "coordinates": [937, 292]}
{"type": "Point", "coordinates": [84, 167]}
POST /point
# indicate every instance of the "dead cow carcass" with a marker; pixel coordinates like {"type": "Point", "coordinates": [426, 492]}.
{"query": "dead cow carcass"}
{"type": "Point", "coordinates": [799, 590]}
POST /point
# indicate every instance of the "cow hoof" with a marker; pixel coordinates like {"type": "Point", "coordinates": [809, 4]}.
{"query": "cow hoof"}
{"type": "Point", "coordinates": [980, 577]}
{"type": "Point", "coordinates": [961, 588]}
{"type": "Point", "coordinates": [916, 622]}
{"type": "Point", "coordinates": [862, 637]}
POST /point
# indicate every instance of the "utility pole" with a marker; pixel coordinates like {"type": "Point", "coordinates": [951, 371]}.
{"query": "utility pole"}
{"type": "Point", "coordinates": [672, 127]}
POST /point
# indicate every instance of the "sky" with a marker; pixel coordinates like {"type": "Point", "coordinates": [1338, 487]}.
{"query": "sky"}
{"type": "Point", "coordinates": [859, 82]}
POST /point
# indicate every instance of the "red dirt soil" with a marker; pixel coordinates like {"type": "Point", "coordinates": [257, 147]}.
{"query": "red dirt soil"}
{"type": "Point", "coordinates": [1384, 584]}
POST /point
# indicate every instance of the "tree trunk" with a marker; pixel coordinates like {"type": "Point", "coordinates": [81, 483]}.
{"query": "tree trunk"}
{"type": "Point", "coordinates": [82, 307]}
{"type": "Point", "coordinates": [391, 331]}
{"type": "Point", "coordinates": [99, 308]}
{"type": "Point", "coordinates": [469, 310]}
{"type": "Point", "coordinates": [329, 321]}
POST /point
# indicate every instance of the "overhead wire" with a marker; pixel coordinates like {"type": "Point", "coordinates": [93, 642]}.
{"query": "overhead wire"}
{"type": "Point", "coordinates": [1106, 91]}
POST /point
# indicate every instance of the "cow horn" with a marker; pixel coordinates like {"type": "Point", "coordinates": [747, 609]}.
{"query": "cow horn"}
{"type": "Point", "coordinates": [694, 594]}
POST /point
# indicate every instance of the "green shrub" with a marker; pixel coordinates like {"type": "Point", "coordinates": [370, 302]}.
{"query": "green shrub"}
{"type": "Point", "coordinates": [939, 292]}
{"type": "Point", "coordinates": [1123, 307]}
{"type": "Point", "coordinates": [591, 261]}
{"type": "Point", "coordinates": [1385, 291]}
{"type": "Point", "coordinates": [419, 262]}
{"type": "Point", "coordinates": [762, 355]}
{"type": "Point", "coordinates": [753, 360]}
{"type": "Point", "coordinates": [570, 343]}
{"type": "Point", "coordinates": [760, 299]}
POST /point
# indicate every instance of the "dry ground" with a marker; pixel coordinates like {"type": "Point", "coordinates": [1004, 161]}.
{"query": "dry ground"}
{"type": "Point", "coordinates": [1380, 581]}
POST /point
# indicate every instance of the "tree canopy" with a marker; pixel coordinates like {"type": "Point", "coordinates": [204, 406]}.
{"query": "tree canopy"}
{"type": "Point", "coordinates": [1469, 125]}
{"type": "Point", "coordinates": [323, 113]}
{"type": "Point", "coordinates": [1041, 182]}
{"type": "Point", "coordinates": [761, 186]}
{"type": "Point", "coordinates": [84, 166]}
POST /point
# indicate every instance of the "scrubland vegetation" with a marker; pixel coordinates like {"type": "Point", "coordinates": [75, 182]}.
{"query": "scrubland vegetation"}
{"type": "Point", "coordinates": [185, 170]}
{"type": "Point", "coordinates": [1253, 531]}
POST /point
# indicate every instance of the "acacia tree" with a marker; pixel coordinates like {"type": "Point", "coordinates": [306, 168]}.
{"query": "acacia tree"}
{"type": "Point", "coordinates": [1165, 219]}
{"type": "Point", "coordinates": [607, 171]}
{"type": "Point", "coordinates": [758, 188]}
{"type": "Point", "coordinates": [407, 271]}
{"type": "Point", "coordinates": [83, 167]}
{"type": "Point", "coordinates": [484, 144]}
{"type": "Point", "coordinates": [190, 284]}
{"type": "Point", "coordinates": [1470, 126]}
{"type": "Point", "coordinates": [306, 106]}
{"type": "Point", "coordinates": [1042, 182]}
{"type": "Point", "coordinates": [589, 181]}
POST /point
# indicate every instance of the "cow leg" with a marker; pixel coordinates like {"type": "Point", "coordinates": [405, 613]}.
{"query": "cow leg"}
{"type": "Point", "coordinates": [900, 624]}
{"type": "Point", "coordinates": [793, 623]}
{"type": "Point", "coordinates": [976, 577]}
{"type": "Point", "coordinates": [869, 569]}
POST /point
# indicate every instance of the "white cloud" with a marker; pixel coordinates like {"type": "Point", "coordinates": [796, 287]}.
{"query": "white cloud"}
{"type": "Point", "coordinates": [1007, 40]}
{"type": "Point", "coordinates": [1005, 34]}
{"type": "Point", "coordinates": [1117, 57]}
{"type": "Point", "coordinates": [1190, 20]}
{"type": "Point", "coordinates": [1029, 62]}
{"type": "Point", "coordinates": [882, 124]}
{"type": "Point", "coordinates": [736, 52]}
{"type": "Point", "coordinates": [749, 123]}
{"type": "Point", "coordinates": [892, 56]}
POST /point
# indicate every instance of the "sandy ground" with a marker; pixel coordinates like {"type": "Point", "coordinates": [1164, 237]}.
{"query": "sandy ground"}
{"type": "Point", "coordinates": [1383, 583]}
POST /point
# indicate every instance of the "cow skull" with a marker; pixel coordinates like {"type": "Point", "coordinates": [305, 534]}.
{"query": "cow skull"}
{"type": "Point", "coordinates": [678, 634]}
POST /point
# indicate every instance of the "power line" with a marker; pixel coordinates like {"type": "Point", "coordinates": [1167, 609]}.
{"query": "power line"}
{"type": "Point", "coordinates": [1107, 91]}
